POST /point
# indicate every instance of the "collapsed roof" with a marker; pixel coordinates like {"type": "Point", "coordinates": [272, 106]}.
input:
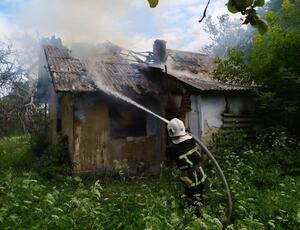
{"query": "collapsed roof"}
{"type": "Point", "coordinates": [108, 69]}
{"type": "Point", "coordinates": [196, 70]}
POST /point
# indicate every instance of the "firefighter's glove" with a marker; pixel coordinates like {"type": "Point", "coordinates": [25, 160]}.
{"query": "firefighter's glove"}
{"type": "Point", "coordinates": [186, 180]}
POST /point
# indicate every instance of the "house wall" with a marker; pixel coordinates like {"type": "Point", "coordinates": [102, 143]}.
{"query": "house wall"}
{"type": "Point", "coordinates": [68, 121]}
{"type": "Point", "coordinates": [156, 129]}
{"type": "Point", "coordinates": [54, 115]}
{"type": "Point", "coordinates": [94, 148]}
{"type": "Point", "coordinates": [240, 103]}
{"type": "Point", "coordinates": [205, 119]}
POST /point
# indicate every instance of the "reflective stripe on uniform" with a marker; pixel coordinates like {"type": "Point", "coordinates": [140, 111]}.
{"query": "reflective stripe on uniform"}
{"type": "Point", "coordinates": [203, 174]}
{"type": "Point", "coordinates": [185, 156]}
{"type": "Point", "coordinates": [197, 182]}
{"type": "Point", "coordinates": [183, 167]}
{"type": "Point", "coordinates": [188, 153]}
{"type": "Point", "coordinates": [196, 179]}
{"type": "Point", "coordinates": [199, 154]}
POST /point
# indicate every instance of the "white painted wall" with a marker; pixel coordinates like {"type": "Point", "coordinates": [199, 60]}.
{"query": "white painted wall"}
{"type": "Point", "coordinates": [207, 110]}
{"type": "Point", "coordinates": [212, 108]}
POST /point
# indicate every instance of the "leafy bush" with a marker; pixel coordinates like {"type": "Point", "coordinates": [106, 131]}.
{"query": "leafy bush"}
{"type": "Point", "coordinates": [264, 182]}
{"type": "Point", "coordinates": [273, 65]}
{"type": "Point", "coordinates": [263, 179]}
{"type": "Point", "coordinates": [53, 162]}
{"type": "Point", "coordinates": [13, 151]}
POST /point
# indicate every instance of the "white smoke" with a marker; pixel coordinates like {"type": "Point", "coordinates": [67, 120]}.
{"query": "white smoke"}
{"type": "Point", "coordinates": [89, 21]}
{"type": "Point", "coordinates": [129, 23]}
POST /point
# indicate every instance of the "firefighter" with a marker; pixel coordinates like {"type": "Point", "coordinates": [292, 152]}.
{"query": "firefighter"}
{"type": "Point", "coordinates": [183, 150]}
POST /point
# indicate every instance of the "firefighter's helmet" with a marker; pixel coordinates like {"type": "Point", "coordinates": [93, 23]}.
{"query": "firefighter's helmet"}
{"type": "Point", "coordinates": [176, 128]}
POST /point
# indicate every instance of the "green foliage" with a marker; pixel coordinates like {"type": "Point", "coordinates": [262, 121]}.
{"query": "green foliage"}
{"type": "Point", "coordinates": [31, 201]}
{"type": "Point", "coordinates": [234, 69]}
{"type": "Point", "coordinates": [261, 26]}
{"type": "Point", "coordinates": [273, 65]}
{"type": "Point", "coordinates": [53, 162]}
{"type": "Point", "coordinates": [13, 151]}
{"type": "Point", "coordinates": [274, 136]}
{"type": "Point", "coordinates": [227, 33]}
{"type": "Point", "coordinates": [263, 179]}
{"type": "Point", "coordinates": [13, 125]}
{"type": "Point", "coordinates": [16, 115]}
{"type": "Point", "coordinates": [231, 8]}
{"type": "Point", "coordinates": [258, 3]}
{"type": "Point", "coordinates": [153, 3]}
{"type": "Point", "coordinates": [264, 182]}
{"type": "Point", "coordinates": [245, 7]}
{"type": "Point", "coordinates": [35, 154]}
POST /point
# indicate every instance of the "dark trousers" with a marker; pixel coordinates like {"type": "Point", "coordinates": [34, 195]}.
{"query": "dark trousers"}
{"type": "Point", "coordinates": [194, 197]}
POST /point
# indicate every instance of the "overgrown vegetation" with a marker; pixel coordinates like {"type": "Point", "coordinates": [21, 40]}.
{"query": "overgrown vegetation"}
{"type": "Point", "coordinates": [272, 64]}
{"type": "Point", "coordinates": [37, 192]}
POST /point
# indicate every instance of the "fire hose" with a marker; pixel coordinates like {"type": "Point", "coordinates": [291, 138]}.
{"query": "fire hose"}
{"type": "Point", "coordinates": [203, 147]}
{"type": "Point", "coordinates": [221, 175]}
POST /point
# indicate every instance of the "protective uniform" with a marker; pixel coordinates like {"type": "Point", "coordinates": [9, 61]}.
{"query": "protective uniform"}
{"type": "Point", "coordinates": [183, 150]}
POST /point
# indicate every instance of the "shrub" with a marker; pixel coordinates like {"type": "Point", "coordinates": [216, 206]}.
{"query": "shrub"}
{"type": "Point", "coordinates": [53, 161]}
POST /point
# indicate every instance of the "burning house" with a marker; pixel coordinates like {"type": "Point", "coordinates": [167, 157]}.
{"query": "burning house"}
{"type": "Point", "coordinates": [86, 88]}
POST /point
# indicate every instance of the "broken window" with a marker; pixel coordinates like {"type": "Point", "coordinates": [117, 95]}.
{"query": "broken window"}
{"type": "Point", "coordinates": [127, 121]}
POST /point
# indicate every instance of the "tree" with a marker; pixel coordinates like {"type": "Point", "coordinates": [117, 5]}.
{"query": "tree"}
{"type": "Point", "coordinates": [18, 109]}
{"type": "Point", "coordinates": [246, 7]}
{"type": "Point", "coordinates": [226, 34]}
{"type": "Point", "coordinates": [273, 64]}
{"type": "Point", "coordinates": [234, 70]}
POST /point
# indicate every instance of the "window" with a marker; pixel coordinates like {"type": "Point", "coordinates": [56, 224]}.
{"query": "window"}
{"type": "Point", "coordinates": [58, 126]}
{"type": "Point", "coordinates": [127, 121]}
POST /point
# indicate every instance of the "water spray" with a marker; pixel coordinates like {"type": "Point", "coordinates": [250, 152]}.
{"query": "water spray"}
{"type": "Point", "coordinates": [201, 145]}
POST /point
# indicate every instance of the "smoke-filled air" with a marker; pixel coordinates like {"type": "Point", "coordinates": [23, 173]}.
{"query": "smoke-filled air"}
{"type": "Point", "coordinates": [149, 114]}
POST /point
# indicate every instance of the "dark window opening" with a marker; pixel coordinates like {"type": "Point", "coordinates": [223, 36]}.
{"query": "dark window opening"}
{"type": "Point", "coordinates": [58, 125]}
{"type": "Point", "coordinates": [127, 121]}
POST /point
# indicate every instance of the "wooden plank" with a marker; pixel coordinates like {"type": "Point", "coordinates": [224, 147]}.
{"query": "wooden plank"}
{"type": "Point", "coordinates": [237, 119]}
{"type": "Point", "coordinates": [236, 125]}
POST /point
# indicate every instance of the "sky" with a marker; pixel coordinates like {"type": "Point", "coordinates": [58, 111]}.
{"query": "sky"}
{"type": "Point", "coordinates": [128, 23]}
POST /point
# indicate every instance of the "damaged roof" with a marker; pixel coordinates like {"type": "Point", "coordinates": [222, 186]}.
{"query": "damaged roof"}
{"type": "Point", "coordinates": [95, 73]}
{"type": "Point", "coordinates": [68, 73]}
{"type": "Point", "coordinates": [196, 70]}
{"type": "Point", "coordinates": [108, 70]}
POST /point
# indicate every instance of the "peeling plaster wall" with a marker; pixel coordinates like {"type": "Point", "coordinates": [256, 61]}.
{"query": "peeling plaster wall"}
{"type": "Point", "coordinates": [205, 119]}
{"type": "Point", "coordinates": [94, 148]}
{"type": "Point", "coordinates": [210, 107]}
{"type": "Point", "coordinates": [213, 105]}
{"type": "Point", "coordinates": [91, 130]}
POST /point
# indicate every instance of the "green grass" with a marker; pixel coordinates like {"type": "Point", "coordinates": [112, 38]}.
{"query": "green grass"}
{"type": "Point", "coordinates": [13, 151]}
{"type": "Point", "coordinates": [264, 181]}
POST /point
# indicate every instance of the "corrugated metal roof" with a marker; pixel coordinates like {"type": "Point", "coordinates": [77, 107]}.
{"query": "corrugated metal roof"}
{"type": "Point", "coordinates": [95, 74]}
{"type": "Point", "coordinates": [196, 70]}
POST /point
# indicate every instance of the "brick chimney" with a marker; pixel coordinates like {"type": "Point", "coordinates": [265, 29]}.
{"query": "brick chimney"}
{"type": "Point", "coordinates": [160, 54]}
